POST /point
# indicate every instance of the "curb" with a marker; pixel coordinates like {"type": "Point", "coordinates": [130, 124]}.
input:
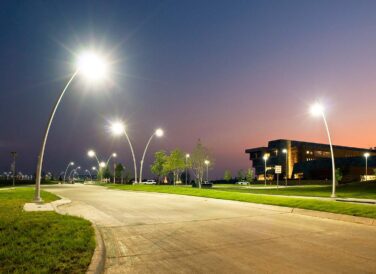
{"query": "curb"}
{"type": "Point", "coordinates": [98, 259]}
{"type": "Point", "coordinates": [335, 216]}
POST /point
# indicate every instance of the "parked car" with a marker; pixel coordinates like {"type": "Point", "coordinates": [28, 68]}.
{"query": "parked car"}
{"type": "Point", "coordinates": [242, 183]}
{"type": "Point", "coordinates": [150, 182]}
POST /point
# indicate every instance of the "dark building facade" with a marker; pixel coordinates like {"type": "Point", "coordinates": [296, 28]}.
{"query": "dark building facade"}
{"type": "Point", "coordinates": [309, 160]}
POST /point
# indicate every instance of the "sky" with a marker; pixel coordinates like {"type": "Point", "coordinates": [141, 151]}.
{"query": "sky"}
{"type": "Point", "coordinates": [234, 74]}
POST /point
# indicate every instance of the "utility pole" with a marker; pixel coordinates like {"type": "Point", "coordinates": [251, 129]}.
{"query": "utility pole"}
{"type": "Point", "coordinates": [14, 155]}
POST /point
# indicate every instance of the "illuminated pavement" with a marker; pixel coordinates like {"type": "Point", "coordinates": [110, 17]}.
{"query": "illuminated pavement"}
{"type": "Point", "coordinates": [163, 233]}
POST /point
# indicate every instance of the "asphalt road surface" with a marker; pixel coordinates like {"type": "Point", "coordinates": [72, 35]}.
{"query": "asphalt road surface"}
{"type": "Point", "coordinates": [163, 233]}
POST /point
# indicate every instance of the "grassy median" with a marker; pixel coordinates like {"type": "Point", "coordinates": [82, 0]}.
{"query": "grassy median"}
{"type": "Point", "coordinates": [41, 242]}
{"type": "Point", "coordinates": [365, 190]}
{"type": "Point", "coordinates": [312, 204]}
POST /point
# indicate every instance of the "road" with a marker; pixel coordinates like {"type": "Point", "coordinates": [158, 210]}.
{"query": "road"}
{"type": "Point", "coordinates": [164, 233]}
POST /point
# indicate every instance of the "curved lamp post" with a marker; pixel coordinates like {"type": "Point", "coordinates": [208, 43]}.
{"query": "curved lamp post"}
{"type": "Point", "coordinates": [265, 157]}
{"type": "Point", "coordinates": [117, 129]}
{"type": "Point", "coordinates": [159, 133]}
{"type": "Point", "coordinates": [318, 110]}
{"type": "Point", "coordinates": [89, 65]}
{"type": "Point", "coordinates": [284, 151]}
{"type": "Point", "coordinates": [109, 158]}
{"type": "Point", "coordinates": [66, 170]}
{"type": "Point", "coordinates": [366, 155]}
{"type": "Point", "coordinates": [88, 171]}
{"type": "Point", "coordinates": [73, 171]}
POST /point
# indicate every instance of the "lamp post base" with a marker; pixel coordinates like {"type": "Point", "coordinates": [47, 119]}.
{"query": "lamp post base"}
{"type": "Point", "coordinates": [38, 200]}
{"type": "Point", "coordinates": [333, 196]}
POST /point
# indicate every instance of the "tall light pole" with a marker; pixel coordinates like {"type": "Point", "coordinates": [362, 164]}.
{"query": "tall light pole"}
{"type": "Point", "coordinates": [366, 155]}
{"type": "Point", "coordinates": [88, 171]}
{"type": "Point", "coordinates": [159, 133]}
{"type": "Point", "coordinates": [207, 163]}
{"type": "Point", "coordinates": [265, 157]}
{"type": "Point", "coordinates": [318, 110]}
{"type": "Point", "coordinates": [284, 151]}
{"type": "Point", "coordinates": [118, 128]}
{"type": "Point", "coordinates": [89, 65]}
{"type": "Point", "coordinates": [186, 167]}
{"type": "Point", "coordinates": [73, 171]}
{"type": "Point", "coordinates": [66, 170]}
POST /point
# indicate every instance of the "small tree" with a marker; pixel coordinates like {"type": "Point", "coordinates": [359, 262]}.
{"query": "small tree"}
{"type": "Point", "coordinates": [118, 170]}
{"type": "Point", "coordinates": [175, 163]}
{"type": "Point", "coordinates": [250, 175]}
{"type": "Point", "coordinates": [338, 175]}
{"type": "Point", "coordinates": [240, 175]}
{"type": "Point", "coordinates": [227, 176]}
{"type": "Point", "coordinates": [157, 167]}
{"type": "Point", "coordinates": [197, 161]}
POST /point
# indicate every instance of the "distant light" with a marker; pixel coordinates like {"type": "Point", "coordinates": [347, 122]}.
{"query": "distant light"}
{"type": "Point", "coordinates": [94, 168]}
{"type": "Point", "coordinates": [187, 155]}
{"type": "Point", "coordinates": [92, 66]}
{"type": "Point", "coordinates": [284, 150]}
{"type": "Point", "coordinates": [71, 163]}
{"type": "Point", "coordinates": [159, 132]}
{"type": "Point", "coordinates": [207, 162]}
{"type": "Point", "coordinates": [91, 153]}
{"type": "Point", "coordinates": [366, 154]}
{"type": "Point", "coordinates": [317, 109]}
{"type": "Point", "coordinates": [114, 155]}
{"type": "Point", "coordinates": [117, 128]}
{"type": "Point", "coordinates": [102, 164]}
{"type": "Point", "coordinates": [265, 157]}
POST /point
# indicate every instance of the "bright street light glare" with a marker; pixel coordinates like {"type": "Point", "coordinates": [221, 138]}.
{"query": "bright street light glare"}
{"type": "Point", "coordinates": [265, 157]}
{"type": "Point", "coordinates": [159, 132]}
{"type": "Point", "coordinates": [102, 164]}
{"type": "Point", "coordinates": [71, 163]}
{"type": "Point", "coordinates": [94, 168]}
{"type": "Point", "coordinates": [366, 154]}
{"type": "Point", "coordinates": [187, 155]}
{"type": "Point", "coordinates": [91, 153]}
{"type": "Point", "coordinates": [207, 162]}
{"type": "Point", "coordinates": [317, 109]}
{"type": "Point", "coordinates": [284, 150]}
{"type": "Point", "coordinates": [114, 155]}
{"type": "Point", "coordinates": [117, 128]}
{"type": "Point", "coordinates": [92, 66]}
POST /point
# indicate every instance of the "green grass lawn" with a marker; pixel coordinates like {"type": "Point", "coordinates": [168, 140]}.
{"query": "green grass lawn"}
{"type": "Point", "coordinates": [313, 204]}
{"type": "Point", "coordinates": [366, 190]}
{"type": "Point", "coordinates": [41, 242]}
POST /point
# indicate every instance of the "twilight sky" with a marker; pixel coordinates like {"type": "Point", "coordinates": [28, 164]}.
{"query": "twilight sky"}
{"type": "Point", "coordinates": [235, 74]}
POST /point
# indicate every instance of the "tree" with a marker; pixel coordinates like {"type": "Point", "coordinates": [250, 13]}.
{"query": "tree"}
{"type": "Point", "coordinates": [119, 168]}
{"type": "Point", "coordinates": [250, 175]}
{"type": "Point", "coordinates": [106, 172]}
{"type": "Point", "coordinates": [197, 161]}
{"type": "Point", "coordinates": [240, 175]}
{"type": "Point", "coordinates": [157, 167]}
{"type": "Point", "coordinates": [175, 163]}
{"type": "Point", "coordinates": [338, 175]}
{"type": "Point", "coordinates": [227, 176]}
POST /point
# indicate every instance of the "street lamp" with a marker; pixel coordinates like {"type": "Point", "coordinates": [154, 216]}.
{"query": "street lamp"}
{"type": "Point", "coordinates": [207, 163]}
{"type": "Point", "coordinates": [73, 171]}
{"type": "Point", "coordinates": [88, 171]}
{"type": "Point", "coordinates": [65, 173]}
{"type": "Point", "coordinates": [186, 167]}
{"type": "Point", "coordinates": [265, 157]}
{"type": "Point", "coordinates": [286, 168]}
{"type": "Point", "coordinates": [366, 155]}
{"type": "Point", "coordinates": [318, 110]}
{"type": "Point", "coordinates": [91, 153]}
{"type": "Point", "coordinates": [89, 65]}
{"type": "Point", "coordinates": [109, 158]}
{"type": "Point", "coordinates": [159, 133]}
{"type": "Point", "coordinates": [117, 129]}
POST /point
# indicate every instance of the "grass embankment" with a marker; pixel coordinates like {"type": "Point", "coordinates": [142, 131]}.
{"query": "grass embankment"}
{"type": "Point", "coordinates": [312, 204]}
{"type": "Point", "coordinates": [365, 190]}
{"type": "Point", "coordinates": [41, 242]}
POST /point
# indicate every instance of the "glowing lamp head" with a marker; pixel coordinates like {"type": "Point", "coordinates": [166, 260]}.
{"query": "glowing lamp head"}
{"type": "Point", "coordinates": [159, 132]}
{"type": "Point", "coordinates": [102, 164]}
{"type": "Point", "coordinates": [366, 154]}
{"type": "Point", "coordinates": [94, 168]}
{"type": "Point", "coordinates": [317, 109]}
{"type": "Point", "coordinates": [114, 155]}
{"type": "Point", "coordinates": [265, 157]}
{"type": "Point", "coordinates": [71, 163]}
{"type": "Point", "coordinates": [91, 153]}
{"type": "Point", "coordinates": [284, 150]}
{"type": "Point", "coordinates": [117, 128]}
{"type": "Point", "coordinates": [78, 167]}
{"type": "Point", "coordinates": [187, 155]}
{"type": "Point", "coordinates": [207, 162]}
{"type": "Point", "coordinates": [92, 66]}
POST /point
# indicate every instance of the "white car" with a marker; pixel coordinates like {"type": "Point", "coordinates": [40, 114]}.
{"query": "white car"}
{"type": "Point", "coordinates": [150, 182]}
{"type": "Point", "coordinates": [242, 183]}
